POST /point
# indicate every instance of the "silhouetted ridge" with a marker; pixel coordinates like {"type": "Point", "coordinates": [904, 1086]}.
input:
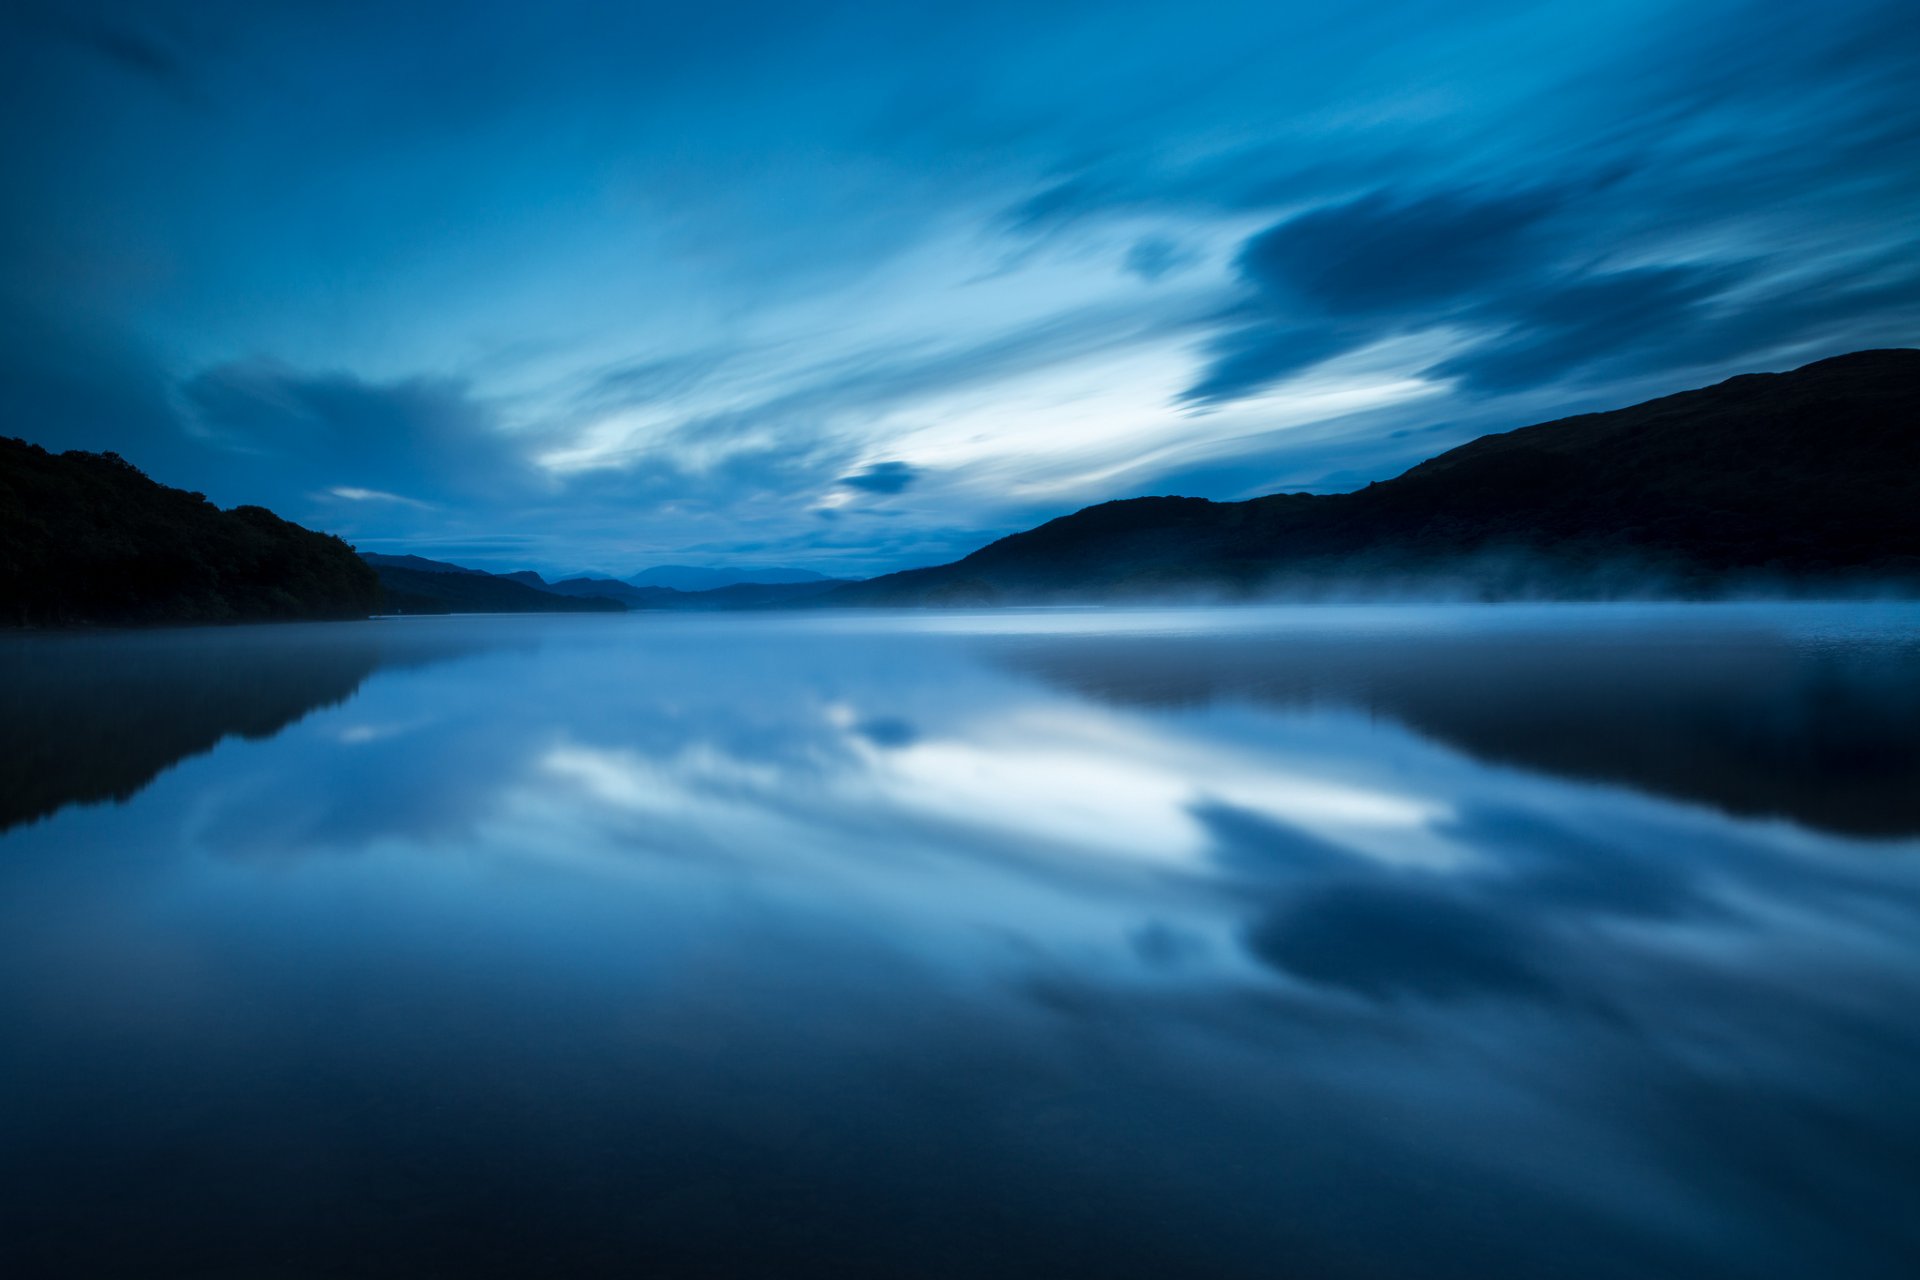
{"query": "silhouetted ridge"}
{"type": "Point", "coordinates": [439, 591]}
{"type": "Point", "coordinates": [417, 585]}
{"type": "Point", "coordinates": [696, 578]}
{"type": "Point", "coordinates": [381, 561]}
{"type": "Point", "coordinates": [1804, 480]}
{"type": "Point", "coordinates": [87, 538]}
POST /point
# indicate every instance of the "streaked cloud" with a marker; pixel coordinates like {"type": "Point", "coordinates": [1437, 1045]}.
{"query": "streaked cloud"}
{"type": "Point", "coordinates": [860, 287]}
{"type": "Point", "coordinates": [882, 477]}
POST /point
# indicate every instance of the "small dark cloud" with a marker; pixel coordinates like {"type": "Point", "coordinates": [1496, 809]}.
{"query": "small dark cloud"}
{"type": "Point", "coordinates": [1155, 257]}
{"type": "Point", "coordinates": [131, 51]}
{"type": "Point", "coordinates": [124, 42]}
{"type": "Point", "coordinates": [1388, 941]}
{"type": "Point", "coordinates": [888, 732]}
{"type": "Point", "coordinates": [1256, 845]}
{"type": "Point", "coordinates": [1244, 360]}
{"type": "Point", "coordinates": [1553, 869]}
{"type": "Point", "coordinates": [1592, 320]}
{"type": "Point", "coordinates": [1328, 281]}
{"type": "Point", "coordinates": [1386, 254]}
{"type": "Point", "coordinates": [73, 384]}
{"type": "Point", "coordinates": [882, 477]}
{"type": "Point", "coordinates": [1160, 945]}
{"type": "Point", "coordinates": [410, 437]}
{"type": "Point", "coordinates": [1507, 269]}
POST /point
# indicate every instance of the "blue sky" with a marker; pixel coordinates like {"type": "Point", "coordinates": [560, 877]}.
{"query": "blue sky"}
{"type": "Point", "coordinates": [861, 286]}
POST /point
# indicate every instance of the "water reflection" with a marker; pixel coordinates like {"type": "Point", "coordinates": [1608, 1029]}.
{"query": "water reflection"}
{"type": "Point", "coordinates": [92, 717]}
{"type": "Point", "coordinates": [1738, 714]}
{"type": "Point", "coordinates": [1025, 945]}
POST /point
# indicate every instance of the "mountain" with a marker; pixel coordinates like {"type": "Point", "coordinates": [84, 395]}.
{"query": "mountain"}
{"type": "Point", "coordinates": [613, 589]}
{"type": "Point", "coordinates": [413, 584]}
{"type": "Point", "coordinates": [683, 577]}
{"type": "Point", "coordinates": [754, 595]}
{"type": "Point", "coordinates": [437, 591]}
{"type": "Point", "coordinates": [87, 538]}
{"type": "Point", "coordinates": [739, 595]}
{"type": "Point", "coordinates": [417, 585]}
{"type": "Point", "coordinates": [421, 563]}
{"type": "Point", "coordinates": [1806, 481]}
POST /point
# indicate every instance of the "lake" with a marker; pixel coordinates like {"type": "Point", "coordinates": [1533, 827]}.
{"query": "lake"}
{"type": "Point", "coordinates": [1328, 942]}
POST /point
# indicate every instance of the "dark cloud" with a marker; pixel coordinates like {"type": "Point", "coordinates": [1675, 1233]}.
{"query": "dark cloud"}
{"type": "Point", "coordinates": [1386, 255]}
{"type": "Point", "coordinates": [1551, 868]}
{"type": "Point", "coordinates": [888, 732]}
{"type": "Point", "coordinates": [1329, 280]}
{"type": "Point", "coordinates": [1154, 257]}
{"type": "Point", "coordinates": [1388, 940]}
{"type": "Point", "coordinates": [132, 51]}
{"type": "Point", "coordinates": [1590, 320]}
{"type": "Point", "coordinates": [148, 46]}
{"type": "Point", "coordinates": [1676, 235]}
{"type": "Point", "coordinates": [768, 235]}
{"type": "Point", "coordinates": [1537, 310]}
{"type": "Point", "coordinates": [1261, 847]}
{"type": "Point", "coordinates": [74, 383]}
{"type": "Point", "coordinates": [413, 438]}
{"type": "Point", "coordinates": [882, 477]}
{"type": "Point", "coordinates": [1245, 359]}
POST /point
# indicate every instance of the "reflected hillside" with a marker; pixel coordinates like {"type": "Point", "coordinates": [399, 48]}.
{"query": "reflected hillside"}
{"type": "Point", "coordinates": [86, 718]}
{"type": "Point", "coordinates": [1753, 724]}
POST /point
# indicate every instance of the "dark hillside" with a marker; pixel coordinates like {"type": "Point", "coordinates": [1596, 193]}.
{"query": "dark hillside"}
{"type": "Point", "coordinates": [435, 591]}
{"type": "Point", "coordinates": [87, 538]}
{"type": "Point", "coordinates": [1806, 481]}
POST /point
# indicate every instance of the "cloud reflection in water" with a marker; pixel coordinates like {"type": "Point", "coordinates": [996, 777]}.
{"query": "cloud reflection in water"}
{"type": "Point", "coordinates": [1109, 943]}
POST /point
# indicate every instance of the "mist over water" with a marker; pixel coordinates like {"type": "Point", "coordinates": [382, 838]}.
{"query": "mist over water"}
{"type": "Point", "coordinates": [1451, 941]}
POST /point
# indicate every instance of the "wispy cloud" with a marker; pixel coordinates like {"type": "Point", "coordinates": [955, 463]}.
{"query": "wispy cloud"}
{"type": "Point", "coordinates": [352, 494]}
{"type": "Point", "coordinates": [882, 477]}
{"type": "Point", "coordinates": [760, 278]}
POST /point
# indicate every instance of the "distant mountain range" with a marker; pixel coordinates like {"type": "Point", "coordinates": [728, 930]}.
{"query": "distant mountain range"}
{"type": "Point", "coordinates": [683, 577]}
{"type": "Point", "coordinates": [1806, 481]}
{"type": "Point", "coordinates": [414, 584]}
{"type": "Point", "coordinates": [458, 590]}
{"type": "Point", "coordinates": [1802, 482]}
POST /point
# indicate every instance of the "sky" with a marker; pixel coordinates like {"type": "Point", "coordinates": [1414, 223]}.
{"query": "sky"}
{"type": "Point", "coordinates": [588, 287]}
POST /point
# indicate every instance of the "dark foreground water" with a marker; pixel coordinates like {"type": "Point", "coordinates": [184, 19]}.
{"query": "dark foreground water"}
{"type": "Point", "coordinates": [1326, 943]}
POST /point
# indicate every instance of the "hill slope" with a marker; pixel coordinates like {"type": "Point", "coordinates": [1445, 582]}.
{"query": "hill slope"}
{"type": "Point", "coordinates": [417, 585]}
{"type": "Point", "coordinates": [86, 538]}
{"type": "Point", "coordinates": [691, 578]}
{"type": "Point", "coordinates": [612, 589]}
{"type": "Point", "coordinates": [414, 584]}
{"type": "Point", "coordinates": [1804, 480]}
{"type": "Point", "coordinates": [437, 591]}
{"type": "Point", "coordinates": [381, 561]}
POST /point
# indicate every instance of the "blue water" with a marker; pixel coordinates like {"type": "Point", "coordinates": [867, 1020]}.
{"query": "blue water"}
{"type": "Point", "coordinates": [1333, 942]}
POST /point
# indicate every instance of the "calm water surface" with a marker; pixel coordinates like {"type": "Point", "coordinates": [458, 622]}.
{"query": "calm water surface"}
{"type": "Point", "coordinates": [1323, 943]}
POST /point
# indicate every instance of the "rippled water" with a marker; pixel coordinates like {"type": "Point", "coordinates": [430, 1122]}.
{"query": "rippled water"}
{"type": "Point", "coordinates": [1445, 942]}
